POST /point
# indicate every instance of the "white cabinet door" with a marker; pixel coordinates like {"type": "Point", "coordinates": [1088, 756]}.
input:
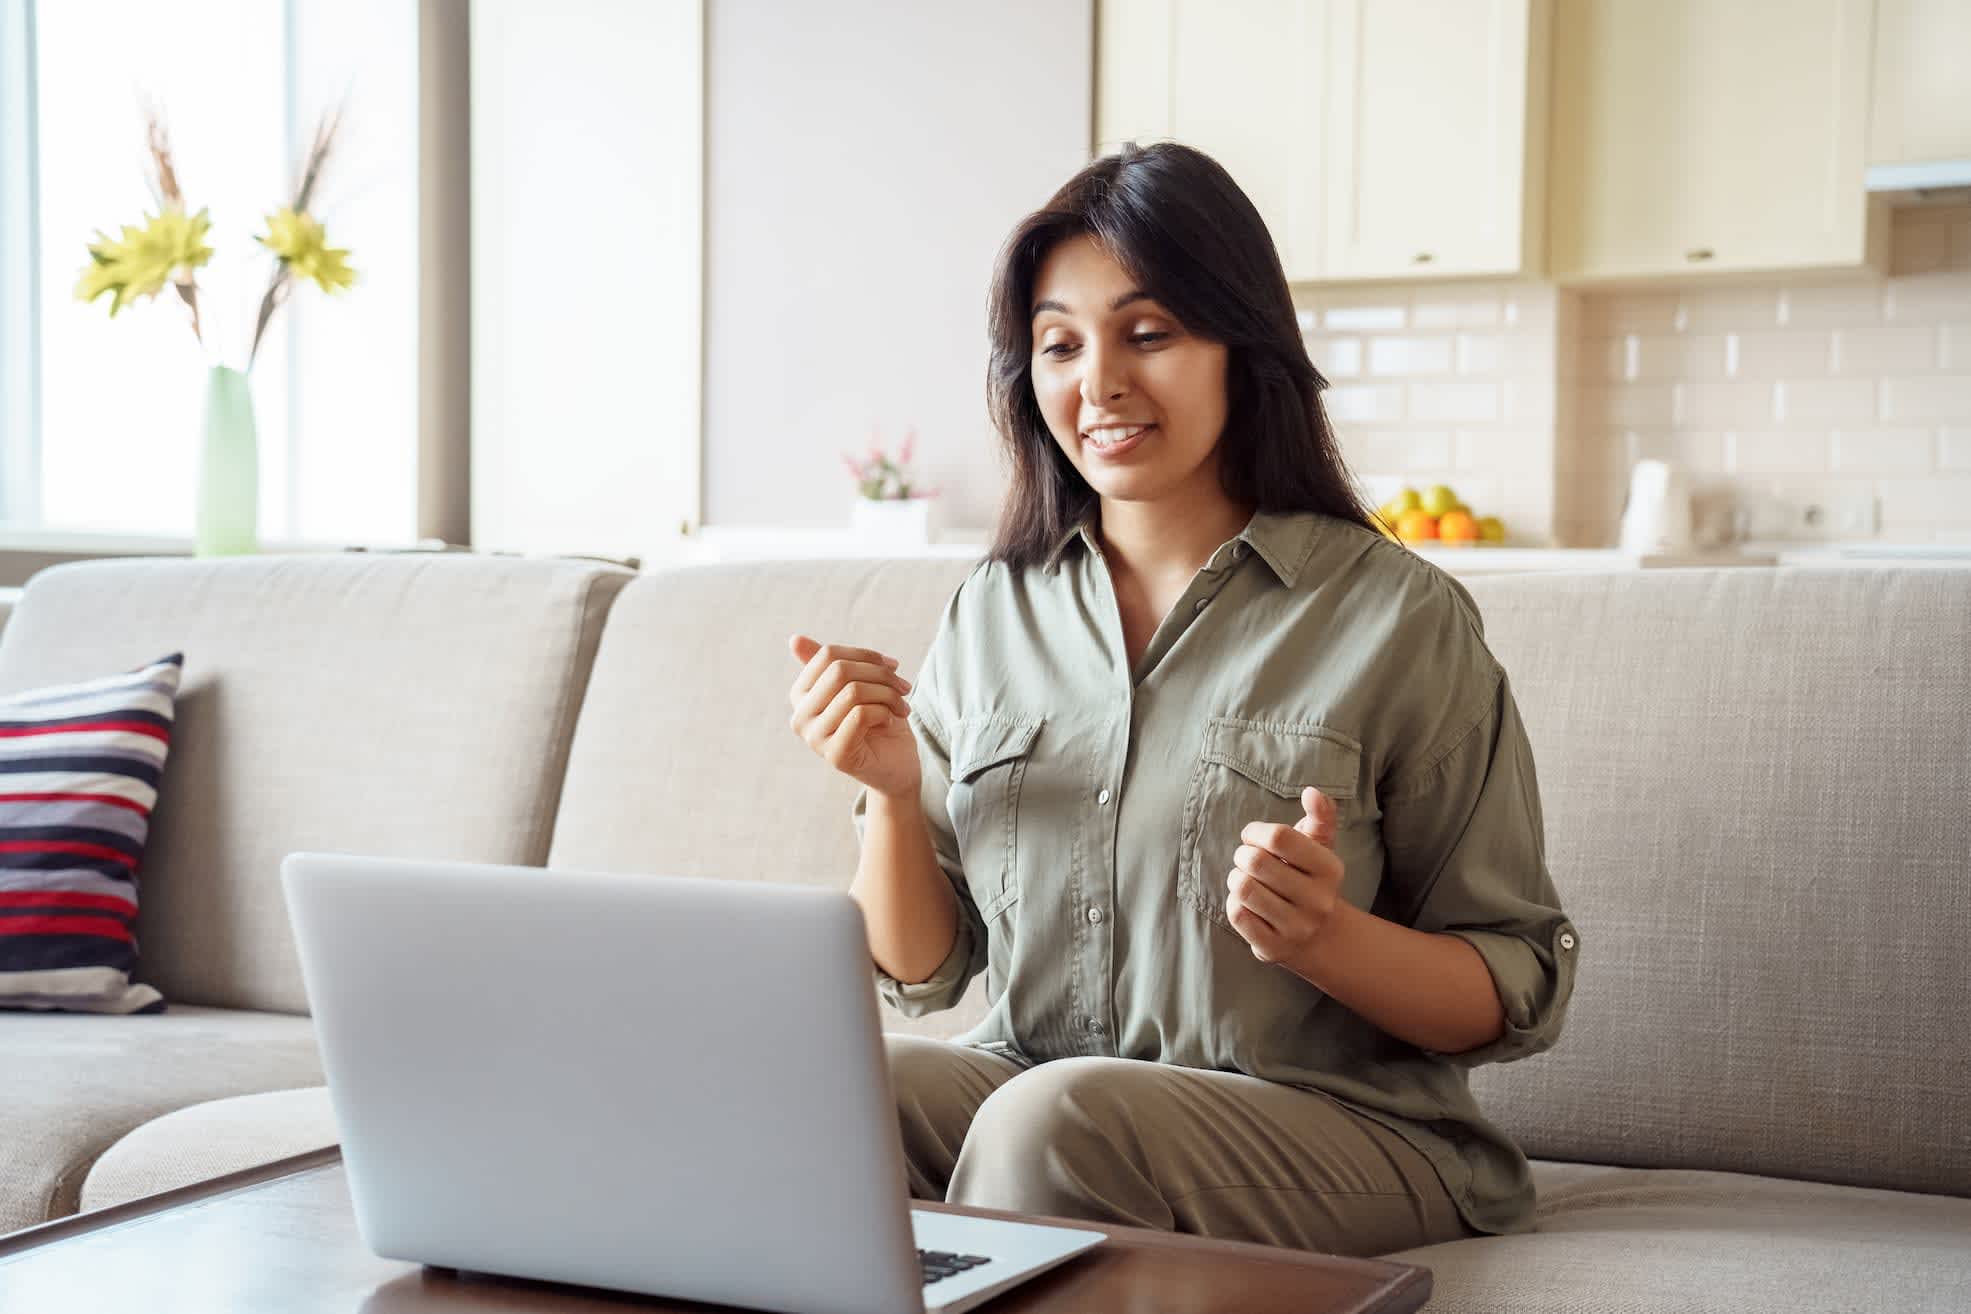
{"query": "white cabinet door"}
{"type": "Point", "coordinates": [1693, 136]}
{"type": "Point", "coordinates": [1241, 82]}
{"type": "Point", "coordinates": [1132, 72]}
{"type": "Point", "coordinates": [1922, 101]}
{"type": "Point", "coordinates": [1435, 133]}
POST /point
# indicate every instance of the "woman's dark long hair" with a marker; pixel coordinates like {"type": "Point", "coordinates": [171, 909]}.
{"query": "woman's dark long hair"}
{"type": "Point", "coordinates": [1173, 218]}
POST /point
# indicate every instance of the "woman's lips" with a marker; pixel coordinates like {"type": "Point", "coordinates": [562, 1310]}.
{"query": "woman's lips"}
{"type": "Point", "coordinates": [1122, 448]}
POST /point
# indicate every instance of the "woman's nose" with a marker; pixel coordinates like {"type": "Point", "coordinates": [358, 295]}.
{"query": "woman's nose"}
{"type": "Point", "coordinates": [1102, 378]}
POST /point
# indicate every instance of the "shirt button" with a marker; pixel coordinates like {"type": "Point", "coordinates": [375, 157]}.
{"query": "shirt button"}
{"type": "Point", "coordinates": [1200, 604]}
{"type": "Point", "coordinates": [1094, 914]}
{"type": "Point", "coordinates": [1239, 551]}
{"type": "Point", "coordinates": [1567, 939]}
{"type": "Point", "coordinates": [1096, 1027]}
{"type": "Point", "coordinates": [1103, 798]}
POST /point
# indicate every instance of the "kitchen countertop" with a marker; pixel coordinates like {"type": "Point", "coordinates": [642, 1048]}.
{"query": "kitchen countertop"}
{"type": "Point", "coordinates": [716, 543]}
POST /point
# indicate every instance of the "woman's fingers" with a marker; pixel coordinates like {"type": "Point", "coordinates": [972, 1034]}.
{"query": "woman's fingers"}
{"type": "Point", "coordinates": [862, 720]}
{"type": "Point", "coordinates": [838, 675]}
{"type": "Point", "coordinates": [830, 719]}
{"type": "Point", "coordinates": [1258, 898]}
{"type": "Point", "coordinates": [821, 656]}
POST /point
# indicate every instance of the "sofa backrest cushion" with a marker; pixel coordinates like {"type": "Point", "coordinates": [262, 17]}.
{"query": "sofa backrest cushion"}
{"type": "Point", "coordinates": [683, 763]}
{"type": "Point", "coordinates": [1757, 791]}
{"type": "Point", "coordinates": [1756, 787]}
{"type": "Point", "coordinates": [414, 705]}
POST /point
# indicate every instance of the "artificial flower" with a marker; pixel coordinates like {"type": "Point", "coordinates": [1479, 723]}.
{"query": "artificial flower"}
{"type": "Point", "coordinates": [298, 240]}
{"type": "Point", "coordinates": [168, 247]}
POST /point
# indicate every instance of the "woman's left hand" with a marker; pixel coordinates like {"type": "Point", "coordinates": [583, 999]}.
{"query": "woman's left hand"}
{"type": "Point", "coordinates": [1285, 882]}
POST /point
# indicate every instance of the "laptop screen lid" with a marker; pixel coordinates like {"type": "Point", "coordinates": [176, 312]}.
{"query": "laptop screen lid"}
{"type": "Point", "coordinates": [667, 1085]}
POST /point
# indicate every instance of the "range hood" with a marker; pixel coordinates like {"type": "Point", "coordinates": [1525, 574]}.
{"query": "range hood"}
{"type": "Point", "coordinates": [1930, 182]}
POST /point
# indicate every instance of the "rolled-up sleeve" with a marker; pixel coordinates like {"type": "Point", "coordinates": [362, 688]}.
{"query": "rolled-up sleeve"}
{"type": "Point", "coordinates": [946, 985]}
{"type": "Point", "coordinates": [1467, 853]}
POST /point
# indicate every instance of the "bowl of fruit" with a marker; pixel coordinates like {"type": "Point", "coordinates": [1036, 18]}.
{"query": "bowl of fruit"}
{"type": "Point", "coordinates": [1436, 515]}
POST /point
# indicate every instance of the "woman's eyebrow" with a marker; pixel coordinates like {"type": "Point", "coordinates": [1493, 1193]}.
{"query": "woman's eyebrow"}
{"type": "Point", "coordinates": [1134, 294]}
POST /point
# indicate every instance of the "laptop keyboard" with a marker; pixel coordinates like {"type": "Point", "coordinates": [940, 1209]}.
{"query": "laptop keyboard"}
{"type": "Point", "coordinates": [941, 1264]}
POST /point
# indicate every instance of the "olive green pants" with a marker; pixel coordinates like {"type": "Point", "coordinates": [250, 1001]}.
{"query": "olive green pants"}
{"type": "Point", "coordinates": [1112, 1140]}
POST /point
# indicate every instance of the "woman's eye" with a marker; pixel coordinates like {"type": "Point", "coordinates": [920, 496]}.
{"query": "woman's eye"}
{"type": "Point", "coordinates": [1149, 337]}
{"type": "Point", "coordinates": [1057, 349]}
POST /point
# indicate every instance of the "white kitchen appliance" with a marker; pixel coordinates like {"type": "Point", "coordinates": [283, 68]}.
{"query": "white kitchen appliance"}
{"type": "Point", "coordinates": [1657, 516]}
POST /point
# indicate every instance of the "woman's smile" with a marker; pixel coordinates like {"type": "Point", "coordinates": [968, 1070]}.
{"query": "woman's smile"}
{"type": "Point", "coordinates": [1112, 441]}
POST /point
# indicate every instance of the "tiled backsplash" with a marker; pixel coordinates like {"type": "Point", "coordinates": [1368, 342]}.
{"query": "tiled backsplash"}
{"type": "Point", "coordinates": [1447, 383]}
{"type": "Point", "coordinates": [1533, 402]}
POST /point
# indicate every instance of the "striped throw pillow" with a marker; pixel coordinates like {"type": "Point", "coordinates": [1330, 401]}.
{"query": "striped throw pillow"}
{"type": "Point", "coordinates": [79, 770]}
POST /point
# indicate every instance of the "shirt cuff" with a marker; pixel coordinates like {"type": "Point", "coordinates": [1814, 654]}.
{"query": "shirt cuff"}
{"type": "Point", "coordinates": [944, 986]}
{"type": "Point", "coordinates": [1535, 980]}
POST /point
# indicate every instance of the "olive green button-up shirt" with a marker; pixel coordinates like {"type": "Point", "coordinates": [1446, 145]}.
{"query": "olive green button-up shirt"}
{"type": "Point", "coordinates": [1087, 814]}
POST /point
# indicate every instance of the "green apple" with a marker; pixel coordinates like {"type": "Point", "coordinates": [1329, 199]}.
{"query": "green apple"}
{"type": "Point", "coordinates": [1438, 499]}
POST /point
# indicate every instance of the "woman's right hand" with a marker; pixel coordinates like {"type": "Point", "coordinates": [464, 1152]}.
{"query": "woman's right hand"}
{"type": "Point", "coordinates": [849, 708]}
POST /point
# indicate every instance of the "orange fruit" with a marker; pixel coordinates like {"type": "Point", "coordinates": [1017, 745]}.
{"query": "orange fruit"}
{"type": "Point", "coordinates": [1416, 526]}
{"type": "Point", "coordinates": [1457, 527]}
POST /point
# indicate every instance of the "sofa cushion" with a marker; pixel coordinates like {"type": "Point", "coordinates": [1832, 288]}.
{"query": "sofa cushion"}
{"type": "Point", "coordinates": [1638, 1241]}
{"type": "Point", "coordinates": [416, 705]}
{"type": "Point", "coordinates": [1754, 785]}
{"type": "Point", "coordinates": [73, 1086]}
{"type": "Point", "coordinates": [80, 765]}
{"type": "Point", "coordinates": [683, 763]}
{"type": "Point", "coordinates": [209, 1140]}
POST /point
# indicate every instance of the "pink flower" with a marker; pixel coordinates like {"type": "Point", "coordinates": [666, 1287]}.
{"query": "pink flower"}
{"type": "Point", "coordinates": [909, 440]}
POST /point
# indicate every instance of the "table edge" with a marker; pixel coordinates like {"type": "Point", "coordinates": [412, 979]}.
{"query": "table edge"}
{"type": "Point", "coordinates": [1399, 1281]}
{"type": "Point", "coordinates": [17, 1243]}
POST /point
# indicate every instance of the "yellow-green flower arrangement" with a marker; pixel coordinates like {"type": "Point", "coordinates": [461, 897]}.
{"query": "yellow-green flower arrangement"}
{"type": "Point", "coordinates": [169, 247]}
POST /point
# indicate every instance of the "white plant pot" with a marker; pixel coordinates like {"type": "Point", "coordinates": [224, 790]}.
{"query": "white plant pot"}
{"type": "Point", "coordinates": [902, 520]}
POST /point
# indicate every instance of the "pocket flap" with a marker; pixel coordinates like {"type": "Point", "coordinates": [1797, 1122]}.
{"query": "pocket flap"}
{"type": "Point", "coordinates": [1285, 758]}
{"type": "Point", "coordinates": [980, 742]}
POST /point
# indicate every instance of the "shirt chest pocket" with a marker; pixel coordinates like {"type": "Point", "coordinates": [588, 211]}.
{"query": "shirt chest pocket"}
{"type": "Point", "coordinates": [989, 758]}
{"type": "Point", "coordinates": [1253, 771]}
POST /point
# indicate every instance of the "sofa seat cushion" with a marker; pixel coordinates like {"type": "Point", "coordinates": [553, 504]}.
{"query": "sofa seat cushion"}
{"type": "Point", "coordinates": [72, 1085]}
{"type": "Point", "coordinates": [1638, 1240]}
{"type": "Point", "coordinates": [210, 1140]}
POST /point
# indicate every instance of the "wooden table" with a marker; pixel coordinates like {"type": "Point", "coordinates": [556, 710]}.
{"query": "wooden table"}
{"type": "Point", "coordinates": [283, 1238]}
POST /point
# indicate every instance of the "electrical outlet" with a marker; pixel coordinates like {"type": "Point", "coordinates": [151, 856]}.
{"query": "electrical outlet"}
{"type": "Point", "coordinates": [1821, 515]}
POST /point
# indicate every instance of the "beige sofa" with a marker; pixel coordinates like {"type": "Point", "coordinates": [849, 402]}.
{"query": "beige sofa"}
{"type": "Point", "coordinates": [1757, 798]}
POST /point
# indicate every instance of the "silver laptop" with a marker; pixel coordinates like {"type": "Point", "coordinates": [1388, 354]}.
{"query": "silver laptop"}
{"type": "Point", "coordinates": [670, 1086]}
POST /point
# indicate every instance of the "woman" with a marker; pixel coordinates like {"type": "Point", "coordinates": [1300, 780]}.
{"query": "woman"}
{"type": "Point", "coordinates": [1221, 789]}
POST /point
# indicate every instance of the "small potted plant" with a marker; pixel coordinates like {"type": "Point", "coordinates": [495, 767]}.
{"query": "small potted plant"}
{"type": "Point", "coordinates": [889, 504]}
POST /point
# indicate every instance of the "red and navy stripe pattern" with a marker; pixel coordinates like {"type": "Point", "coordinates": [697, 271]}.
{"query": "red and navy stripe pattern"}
{"type": "Point", "coordinates": [79, 772]}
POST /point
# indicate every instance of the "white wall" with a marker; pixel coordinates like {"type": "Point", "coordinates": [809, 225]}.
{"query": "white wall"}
{"type": "Point", "coordinates": [587, 176]}
{"type": "Point", "coordinates": [865, 158]}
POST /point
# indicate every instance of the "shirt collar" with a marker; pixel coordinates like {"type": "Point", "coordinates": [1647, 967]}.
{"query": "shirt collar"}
{"type": "Point", "coordinates": [1283, 540]}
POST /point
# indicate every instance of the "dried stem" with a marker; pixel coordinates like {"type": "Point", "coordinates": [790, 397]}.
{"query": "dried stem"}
{"type": "Point", "coordinates": [164, 188]}
{"type": "Point", "coordinates": [277, 288]}
{"type": "Point", "coordinates": [188, 293]}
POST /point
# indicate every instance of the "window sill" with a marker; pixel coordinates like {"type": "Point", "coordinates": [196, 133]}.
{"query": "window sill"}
{"type": "Point", "coordinates": [82, 542]}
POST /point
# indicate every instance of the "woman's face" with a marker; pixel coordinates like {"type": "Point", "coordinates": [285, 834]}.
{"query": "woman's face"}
{"type": "Point", "coordinates": [1135, 401]}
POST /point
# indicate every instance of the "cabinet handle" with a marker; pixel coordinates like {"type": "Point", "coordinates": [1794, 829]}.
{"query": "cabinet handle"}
{"type": "Point", "coordinates": [1421, 258]}
{"type": "Point", "coordinates": [1698, 253]}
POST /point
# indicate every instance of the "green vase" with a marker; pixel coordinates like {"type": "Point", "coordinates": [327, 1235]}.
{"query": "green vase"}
{"type": "Point", "coordinates": [228, 469]}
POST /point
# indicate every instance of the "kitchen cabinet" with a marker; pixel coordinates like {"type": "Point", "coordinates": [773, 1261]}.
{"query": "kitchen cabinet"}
{"type": "Point", "coordinates": [1691, 137]}
{"type": "Point", "coordinates": [1436, 137]}
{"type": "Point", "coordinates": [1922, 94]}
{"type": "Point", "coordinates": [1379, 139]}
{"type": "Point", "coordinates": [1240, 82]}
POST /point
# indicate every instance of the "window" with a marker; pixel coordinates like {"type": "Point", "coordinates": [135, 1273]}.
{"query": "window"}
{"type": "Point", "coordinates": [102, 419]}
